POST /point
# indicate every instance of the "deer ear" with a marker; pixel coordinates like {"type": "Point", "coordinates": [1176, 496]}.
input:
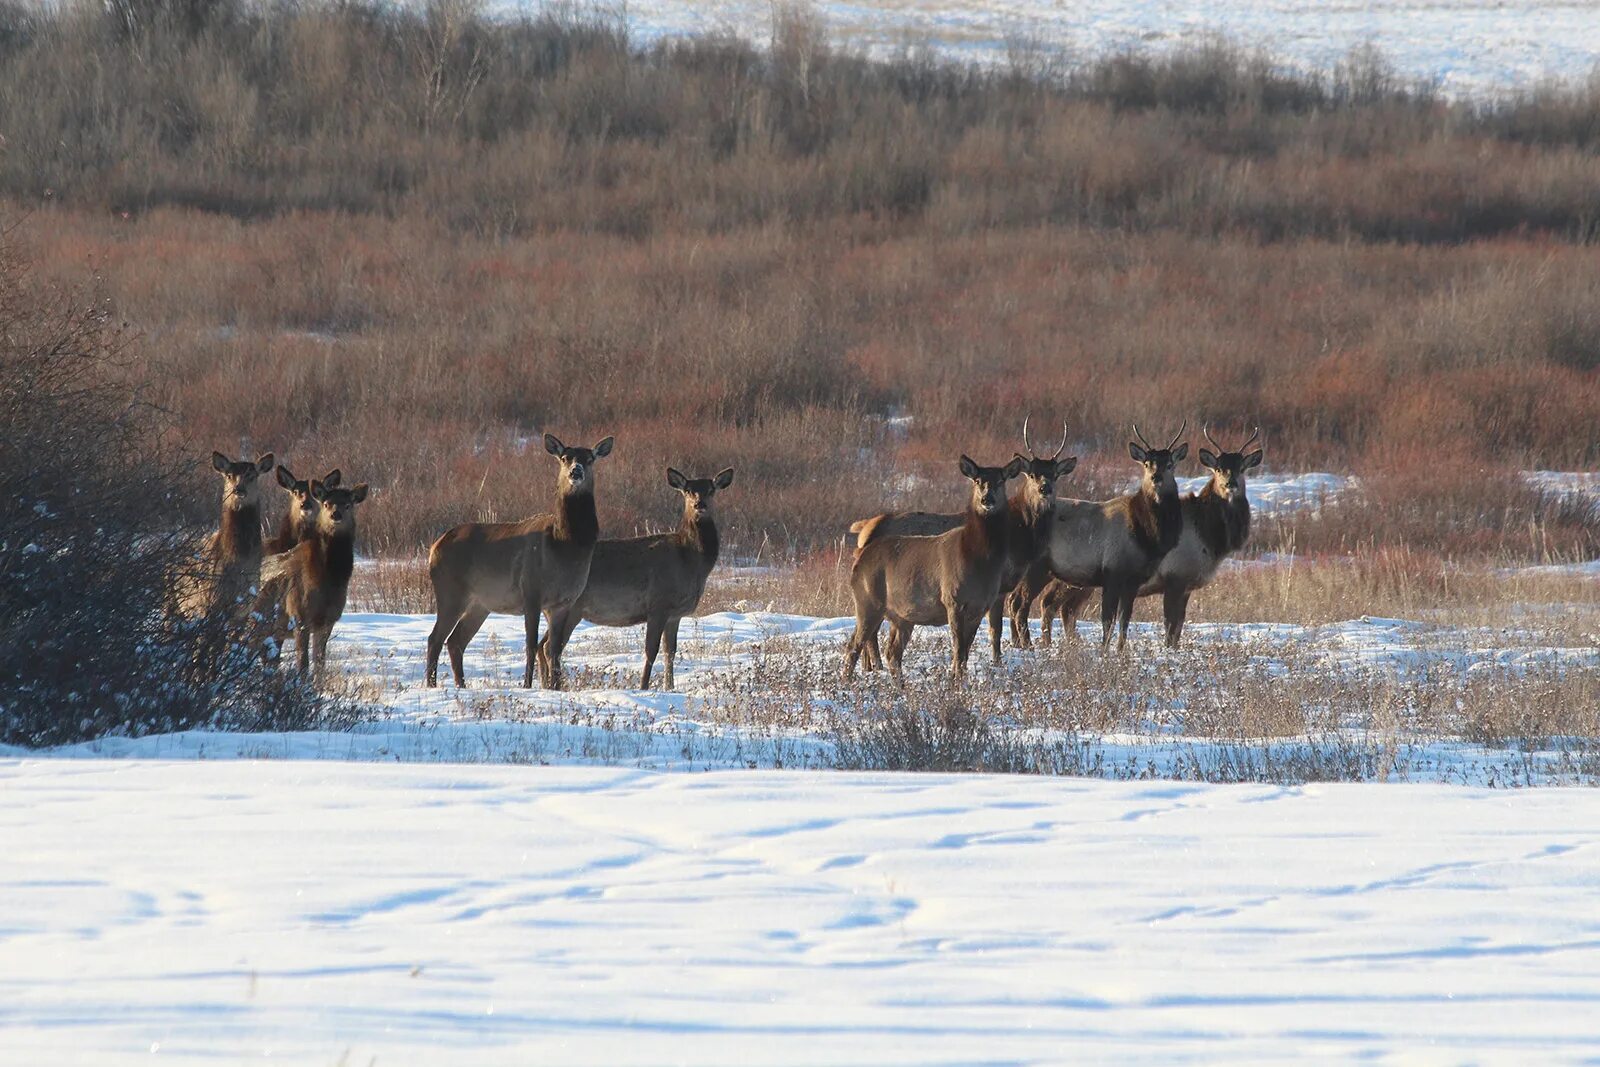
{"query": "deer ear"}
{"type": "Point", "coordinates": [603, 449]}
{"type": "Point", "coordinates": [552, 444]}
{"type": "Point", "coordinates": [1253, 460]}
{"type": "Point", "coordinates": [969, 469]}
{"type": "Point", "coordinates": [1208, 458]}
{"type": "Point", "coordinates": [1137, 453]}
{"type": "Point", "coordinates": [332, 478]}
{"type": "Point", "coordinates": [724, 478]}
{"type": "Point", "coordinates": [285, 477]}
{"type": "Point", "coordinates": [219, 463]}
{"type": "Point", "coordinates": [675, 478]}
{"type": "Point", "coordinates": [359, 493]}
{"type": "Point", "coordinates": [1014, 468]}
{"type": "Point", "coordinates": [1183, 450]}
{"type": "Point", "coordinates": [1066, 466]}
{"type": "Point", "coordinates": [264, 462]}
{"type": "Point", "coordinates": [317, 490]}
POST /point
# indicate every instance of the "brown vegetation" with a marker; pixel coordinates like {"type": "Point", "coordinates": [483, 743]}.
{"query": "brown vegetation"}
{"type": "Point", "coordinates": [811, 260]}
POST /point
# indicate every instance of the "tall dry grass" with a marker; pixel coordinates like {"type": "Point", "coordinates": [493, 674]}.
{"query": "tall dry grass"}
{"type": "Point", "coordinates": [830, 272]}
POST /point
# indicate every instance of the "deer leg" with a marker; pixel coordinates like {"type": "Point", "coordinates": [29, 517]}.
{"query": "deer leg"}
{"type": "Point", "coordinates": [444, 623]}
{"type": "Point", "coordinates": [302, 650]}
{"type": "Point", "coordinates": [319, 651]}
{"type": "Point", "coordinates": [1175, 606]}
{"type": "Point", "coordinates": [963, 631]}
{"type": "Point", "coordinates": [1110, 597]}
{"type": "Point", "coordinates": [1021, 605]}
{"type": "Point", "coordinates": [652, 645]}
{"type": "Point", "coordinates": [864, 640]}
{"type": "Point", "coordinates": [530, 629]}
{"type": "Point", "coordinates": [1021, 633]}
{"type": "Point", "coordinates": [465, 630]}
{"type": "Point", "coordinates": [996, 624]}
{"type": "Point", "coordinates": [899, 638]}
{"type": "Point", "coordinates": [1124, 614]}
{"type": "Point", "coordinates": [671, 638]}
{"type": "Point", "coordinates": [1067, 601]}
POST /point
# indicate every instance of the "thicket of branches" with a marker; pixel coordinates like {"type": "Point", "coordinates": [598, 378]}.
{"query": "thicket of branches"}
{"type": "Point", "coordinates": [90, 544]}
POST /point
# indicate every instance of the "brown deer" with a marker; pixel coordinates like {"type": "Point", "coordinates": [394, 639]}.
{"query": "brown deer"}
{"type": "Point", "coordinates": [312, 579]}
{"type": "Point", "coordinates": [951, 578]}
{"type": "Point", "coordinates": [1031, 513]}
{"type": "Point", "coordinates": [656, 579]}
{"type": "Point", "coordinates": [1114, 545]}
{"type": "Point", "coordinates": [1216, 524]}
{"type": "Point", "coordinates": [230, 559]}
{"type": "Point", "coordinates": [519, 568]}
{"type": "Point", "coordinates": [301, 518]}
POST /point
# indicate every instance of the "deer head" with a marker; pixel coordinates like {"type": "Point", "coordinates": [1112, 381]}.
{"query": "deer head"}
{"type": "Point", "coordinates": [697, 492]}
{"type": "Point", "coordinates": [989, 483]}
{"type": "Point", "coordinates": [241, 479]}
{"type": "Point", "coordinates": [1039, 473]}
{"type": "Point", "coordinates": [1227, 468]}
{"type": "Point", "coordinates": [299, 489]}
{"type": "Point", "coordinates": [336, 508]}
{"type": "Point", "coordinates": [1160, 464]}
{"type": "Point", "coordinates": [577, 464]}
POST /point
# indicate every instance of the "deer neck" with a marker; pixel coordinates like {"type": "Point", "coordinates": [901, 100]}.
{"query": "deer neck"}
{"type": "Point", "coordinates": [1158, 516]}
{"type": "Point", "coordinates": [239, 532]}
{"type": "Point", "coordinates": [335, 555]}
{"type": "Point", "coordinates": [698, 533]}
{"type": "Point", "coordinates": [1225, 522]}
{"type": "Point", "coordinates": [1031, 519]}
{"type": "Point", "coordinates": [576, 520]}
{"type": "Point", "coordinates": [984, 535]}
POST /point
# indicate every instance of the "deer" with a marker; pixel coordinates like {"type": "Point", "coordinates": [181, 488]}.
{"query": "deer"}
{"type": "Point", "coordinates": [518, 568]}
{"type": "Point", "coordinates": [301, 518]}
{"type": "Point", "coordinates": [1114, 545]}
{"type": "Point", "coordinates": [312, 580]}
{"type": "Point", "coordinates": [950, 578]}
{"type": "Point", "coordinates": [1031, 513]}
{"type": "Point", "coordinates": [1216, 524]}
{"type": "Point", "coordinates": [656, 579]}
{"type": "Point", "coordinates": [230, 559]}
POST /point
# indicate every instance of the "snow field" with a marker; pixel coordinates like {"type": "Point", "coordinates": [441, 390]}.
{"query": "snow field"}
{"type": "Point", "coordinates": [337, 913]}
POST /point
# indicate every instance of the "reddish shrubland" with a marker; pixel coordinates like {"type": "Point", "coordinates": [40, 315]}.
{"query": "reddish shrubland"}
{"type": "Point", "coordinates": [832, 273]}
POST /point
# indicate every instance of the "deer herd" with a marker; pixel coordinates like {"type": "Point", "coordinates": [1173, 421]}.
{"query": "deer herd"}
{"type": "Point", "coordinates": [995, 558]}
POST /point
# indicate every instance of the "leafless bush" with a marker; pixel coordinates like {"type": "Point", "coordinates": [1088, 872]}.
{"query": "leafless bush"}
{"type": "Point", "coordinates": [90, 546]}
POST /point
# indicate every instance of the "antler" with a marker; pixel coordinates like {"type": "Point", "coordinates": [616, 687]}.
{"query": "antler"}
{"type": "Point", "coordinates": [1207, 431]}
{"type": "Point", "coordinates": [1252, 440]}
{"type": "Point", "coordinates": [1025, 442]}
{"type": "Point", "coordinates": [1063, 445]}
{"type": "Point", "coordinates": [1175, 437]}
{"type": "Point", "coordinates": [1140, 436]}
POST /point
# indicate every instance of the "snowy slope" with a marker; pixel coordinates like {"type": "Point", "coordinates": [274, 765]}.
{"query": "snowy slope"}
{"type": "Point", "coordinates": [339, 913]}
{"type": "Point", "coordinates": [1469, 47]}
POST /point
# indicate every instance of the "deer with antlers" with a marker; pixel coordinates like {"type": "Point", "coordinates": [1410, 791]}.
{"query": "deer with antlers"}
{"type": "Point", "coordinates": [1114, 545]}
{"type": "Point", "coordinates": [949, 579]}
{"type": "Point", "coordinates": [656, 579]}
{"type": "Point", "coordinates": [1030, 516]}
{"type": "Point", "coordinates": [1216, 524]}
{"type": "Point", "coordinates": [540, 565]}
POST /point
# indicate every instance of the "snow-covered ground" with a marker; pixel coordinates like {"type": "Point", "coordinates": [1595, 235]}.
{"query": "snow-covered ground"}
{"type": "Point", "coordinates": [1467, 47]}
{"type": "Point", "coordinates": [727, 711]}
{"type": "Point", "coordinates": [355, 914]}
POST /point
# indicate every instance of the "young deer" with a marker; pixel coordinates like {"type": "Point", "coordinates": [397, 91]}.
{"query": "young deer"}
{"type": "Point", "coordinates": [1114, 545]}
{"type": "Point", "coordinates": [312, 579]}
{"type": "Point", "coordinates": [1216, 524]}
{"type": "Point", "coordinates": [519, 568]}
{"type": "Point", "coordinates": [301, 518]}
{"type": "Point", "coordinates": [230, 560]}
{"type": "Point", "coordinates": [1031, 516]}
{"type": "Point", "coordinates": [952, 578]}
{"type": "Point", "coordinates": [656, 579]}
